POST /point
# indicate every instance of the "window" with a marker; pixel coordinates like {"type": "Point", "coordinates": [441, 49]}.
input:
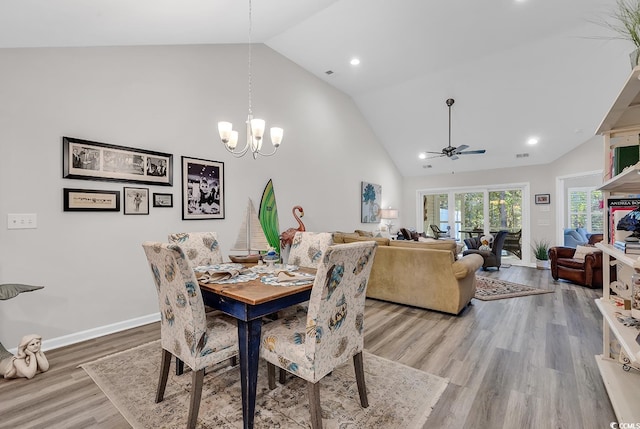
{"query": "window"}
{"type": "Point", "coordinates": [585, 209]}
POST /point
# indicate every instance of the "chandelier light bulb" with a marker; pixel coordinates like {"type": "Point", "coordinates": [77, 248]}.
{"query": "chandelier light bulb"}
{"type": "Point", "coordinates": [224, 128]}
{"type": "Point", "coordinates": [276, 135]}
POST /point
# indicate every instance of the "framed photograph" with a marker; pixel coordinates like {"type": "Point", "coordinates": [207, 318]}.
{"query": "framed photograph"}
{"type": "Point", "coordinates": [370, 200]}
{"type": "Point", "coordinates": [543, 198]}
{"type": "Point", "coordinates": [84, 159]}
{"type": "Point", "coordinates": [136, 201]}
{"type": "Point", "coordinates": [202, 189]}
{"type": "Point", "coordinates": [162, 200]}
{"type": "Point", "coordinates": [90, 200]}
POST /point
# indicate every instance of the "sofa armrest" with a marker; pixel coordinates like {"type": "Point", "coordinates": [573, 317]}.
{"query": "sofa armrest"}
{"type": "Point", "coordinates": [561, 252]}
{"type": "Point", "coordinates": [466, 265]}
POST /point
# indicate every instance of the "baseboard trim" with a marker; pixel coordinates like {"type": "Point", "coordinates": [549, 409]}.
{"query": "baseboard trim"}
{"type": "Point", "coordinates": [100, 331]}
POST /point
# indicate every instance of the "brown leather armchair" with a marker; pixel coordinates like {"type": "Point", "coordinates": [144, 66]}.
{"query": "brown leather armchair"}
{"type": "Point", "coordinates": [586, 273]}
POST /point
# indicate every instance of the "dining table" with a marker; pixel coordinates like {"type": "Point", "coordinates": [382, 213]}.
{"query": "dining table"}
{"type": "Point", "coordinates": [248, 302]}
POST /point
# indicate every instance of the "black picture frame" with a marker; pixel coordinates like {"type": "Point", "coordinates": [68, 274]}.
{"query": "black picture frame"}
{"type": "Point", "coordinates": [135, 201]}
{"type": "Point", "coordinates": [90, 200]}
{"type": "Point", "coordinates": [542, 198]}
{"type": "Point", "coordinates": [202, 189]}
{"type": "Point", "coordinates": [89, 160]}
{"type": "Point", "coordinates": [162, 200]}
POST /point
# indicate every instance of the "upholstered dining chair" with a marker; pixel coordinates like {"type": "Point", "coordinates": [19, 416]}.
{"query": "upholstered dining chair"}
{"type": "Point", "coordinates": [493, 257]}
{"type": "Point", "coordinates": [311, 345]}
{"type": "Point", "coordinates": [200, 247]}
{"type": "Point", "coordinates": [307, 248]}
{"type": "Point", "coordinates": [186, 332]}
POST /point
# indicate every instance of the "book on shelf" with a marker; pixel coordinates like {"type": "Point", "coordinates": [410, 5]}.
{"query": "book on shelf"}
{"type": "Point", "coordinates": [624, 156]}
{"type": "Point", "coordinates": [617, 209]}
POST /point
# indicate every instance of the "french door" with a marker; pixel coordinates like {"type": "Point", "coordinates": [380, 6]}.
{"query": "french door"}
{"type": "Point", "coordinates": [478, 211]}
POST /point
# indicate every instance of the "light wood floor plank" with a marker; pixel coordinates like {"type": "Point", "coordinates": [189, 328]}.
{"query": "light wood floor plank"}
{"type": "Point", "coordinates": [523, 362]}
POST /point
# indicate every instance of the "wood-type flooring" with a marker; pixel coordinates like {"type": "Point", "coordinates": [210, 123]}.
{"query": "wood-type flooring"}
{"type": "Point", "coordinates": [515, 363]}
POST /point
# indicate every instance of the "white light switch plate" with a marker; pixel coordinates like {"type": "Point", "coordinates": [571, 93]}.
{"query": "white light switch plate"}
{"type": "Point", "coordinates": [22, 221]}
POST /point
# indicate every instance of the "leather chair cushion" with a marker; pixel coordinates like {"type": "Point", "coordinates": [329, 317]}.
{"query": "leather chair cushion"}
{"type": "Point", "coordinates": [576, 264]}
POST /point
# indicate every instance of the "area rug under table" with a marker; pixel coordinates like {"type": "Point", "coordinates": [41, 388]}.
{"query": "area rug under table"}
{"type": "Point", "coordinates": [399, 396]}
{"type": "Point", "coordinates": [489, 289]}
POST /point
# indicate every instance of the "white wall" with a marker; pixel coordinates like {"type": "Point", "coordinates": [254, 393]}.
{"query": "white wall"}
{"type": "Point", "coordinates": [167, 99]}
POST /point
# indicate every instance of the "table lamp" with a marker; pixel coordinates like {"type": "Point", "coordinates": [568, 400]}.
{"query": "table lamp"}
{"type": "Point", "coordinates": [389, 214]}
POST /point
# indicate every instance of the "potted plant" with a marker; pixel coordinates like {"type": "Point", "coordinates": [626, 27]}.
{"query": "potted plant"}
{"type": "Point", "coordinates": [541, 252]}
{"type": "Point", "coordinates": [625, 21]}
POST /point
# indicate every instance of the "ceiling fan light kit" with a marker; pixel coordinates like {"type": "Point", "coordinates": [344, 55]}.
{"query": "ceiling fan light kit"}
{"type": "Point", "coordinates": [451, 152]}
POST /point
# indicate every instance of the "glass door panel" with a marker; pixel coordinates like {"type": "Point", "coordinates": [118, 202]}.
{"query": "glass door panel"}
{"type": "Point", "coordinates": [469, 214]}
{"type": "Point", "coordinates": [435, 211]}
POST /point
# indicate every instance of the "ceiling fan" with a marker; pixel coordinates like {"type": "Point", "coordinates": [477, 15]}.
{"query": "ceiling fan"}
{"type": "Point", "coordinates": [450, 151]}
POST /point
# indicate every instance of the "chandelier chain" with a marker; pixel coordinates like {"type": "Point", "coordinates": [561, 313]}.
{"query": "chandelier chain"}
{"type": "Point", "coordinates": [249, 65]}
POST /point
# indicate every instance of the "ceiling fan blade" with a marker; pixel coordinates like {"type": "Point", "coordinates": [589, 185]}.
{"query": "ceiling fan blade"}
{"type": "Point", "coordinates": [440, 155]}
{"type": "Point", "coordinates": [453, 157]}
{"type": "Point", "coordinates": [437, 153]}
{"type": "Point", "coordinates": [461, 148]}
{"type": "Point", "coordinates": [471, 152]}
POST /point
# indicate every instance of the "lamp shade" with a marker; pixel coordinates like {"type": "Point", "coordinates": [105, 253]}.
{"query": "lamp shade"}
{"type": "Point", "coordinates": [389, 213]}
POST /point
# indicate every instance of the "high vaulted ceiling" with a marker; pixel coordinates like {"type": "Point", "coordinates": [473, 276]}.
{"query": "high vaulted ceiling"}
{"type": "Point", "coordinates": [516, 68]}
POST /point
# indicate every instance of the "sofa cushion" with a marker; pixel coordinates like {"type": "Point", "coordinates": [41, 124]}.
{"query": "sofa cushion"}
{"type": "Point", "coordinates": [582, 251]}
{"type": "Point", "coordinates": [435, 244]}
{"type": "Point", "coordinates": [382, 241]}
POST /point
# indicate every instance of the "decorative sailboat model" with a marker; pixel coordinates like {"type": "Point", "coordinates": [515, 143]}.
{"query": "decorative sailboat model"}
{"type": "Point", "coordinates": [250, 239]}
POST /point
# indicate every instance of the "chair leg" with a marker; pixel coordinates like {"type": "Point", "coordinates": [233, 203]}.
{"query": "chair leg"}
{"type": "Point", "coordinates": [313, 390]}
{"type": "Point", "coordinates": [362, 388]}
{"type": "Point", "coordinates": [164, 375]}
{"type": "Point", "coordinates": [271, 375]}
{"type": "Point", "coordinates": [197, 378]}
{"type": "Point", "coordinates": [179, 366]}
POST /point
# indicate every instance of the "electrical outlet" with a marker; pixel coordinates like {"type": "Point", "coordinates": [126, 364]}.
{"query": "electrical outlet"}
{"type": "Point", "coordinates": [22, 221]}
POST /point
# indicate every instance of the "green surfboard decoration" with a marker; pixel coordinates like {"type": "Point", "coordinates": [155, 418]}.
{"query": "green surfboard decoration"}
{"type": "Point", "coordinates": [268, 215]}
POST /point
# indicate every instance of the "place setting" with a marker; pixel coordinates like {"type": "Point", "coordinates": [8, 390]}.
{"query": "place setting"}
{"type": "Point", "coordinates": [270, 274]}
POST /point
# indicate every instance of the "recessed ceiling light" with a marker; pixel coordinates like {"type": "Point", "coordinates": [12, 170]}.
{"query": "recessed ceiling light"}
{"type": "Point", "coordinates": [355, 61]}
{"type": "Point", "coordinates": [422, 155]}
{"type": "Point", "coordinates": [532, 140]}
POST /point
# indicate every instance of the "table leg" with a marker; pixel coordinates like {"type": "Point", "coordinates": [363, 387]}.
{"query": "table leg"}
{"type": "Point", "coordinates": [249, 343]}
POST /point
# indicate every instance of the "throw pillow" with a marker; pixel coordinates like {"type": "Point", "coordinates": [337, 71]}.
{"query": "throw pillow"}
{"type": "Point", "coordinates": [364, 233]}
{"type": "Point", "coordinates": [12, 290]}
{"type": "Point", "coordinates": [582, 251]}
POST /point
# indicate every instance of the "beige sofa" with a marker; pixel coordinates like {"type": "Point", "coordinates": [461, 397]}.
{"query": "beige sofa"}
{"type": "Point", "coordinates": [425, 275]}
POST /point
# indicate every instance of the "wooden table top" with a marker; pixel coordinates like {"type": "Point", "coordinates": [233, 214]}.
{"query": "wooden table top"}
{"type": "Point", "coordinates": [255, 292]}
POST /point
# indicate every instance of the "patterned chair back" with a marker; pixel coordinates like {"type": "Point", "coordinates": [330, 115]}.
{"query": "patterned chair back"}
{"type": "Point", "coordinates": [183, 323]}
{"type": "Point", "coordinates": [335, 319]}
{"type": "Point", "coordinates": [200, 247]}
{"type": "Point", "coordinates": [307, 248]}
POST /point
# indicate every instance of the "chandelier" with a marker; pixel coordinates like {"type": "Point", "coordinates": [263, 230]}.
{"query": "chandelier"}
{"type": "Point", "coordinates": [255, 126]}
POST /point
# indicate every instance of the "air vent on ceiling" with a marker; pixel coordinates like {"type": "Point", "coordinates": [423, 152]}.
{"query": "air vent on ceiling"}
{"type": "Point", "coordinates": [427, 166]}
{"type": "Point", "coordinates": [329, 72]}
{"type": "Point", "coordinates": [522, 155]}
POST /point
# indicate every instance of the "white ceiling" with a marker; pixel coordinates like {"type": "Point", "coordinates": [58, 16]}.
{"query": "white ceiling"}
{"type": "Point", "coordinates": [515, 68]}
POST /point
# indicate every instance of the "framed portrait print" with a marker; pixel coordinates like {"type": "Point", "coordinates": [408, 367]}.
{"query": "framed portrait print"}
{"type": "Point", "coordinates": [370, 200]}
{"type": "Point", "coordinates": [202, 189]}
{"type": "Point", "coordinates": [162, 200]}
{"type": "Point", "coordinates": [84, 159]}
{"type": "Point", "coordinates": [136, 201]}
{"type": "Point", "coordinates": [90, 200]}
{"type": "Point", "coordinates": [543, 199]}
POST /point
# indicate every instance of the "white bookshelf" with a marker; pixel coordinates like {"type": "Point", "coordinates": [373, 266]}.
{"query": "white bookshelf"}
{"type": "Point", "coordinates": [620, 127]}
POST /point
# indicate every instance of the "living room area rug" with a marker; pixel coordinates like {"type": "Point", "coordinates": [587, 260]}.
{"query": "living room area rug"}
{"type": "Point", "coordinates": [399, 396]}
{"type": "Point", "coordinates": [489, 289]}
